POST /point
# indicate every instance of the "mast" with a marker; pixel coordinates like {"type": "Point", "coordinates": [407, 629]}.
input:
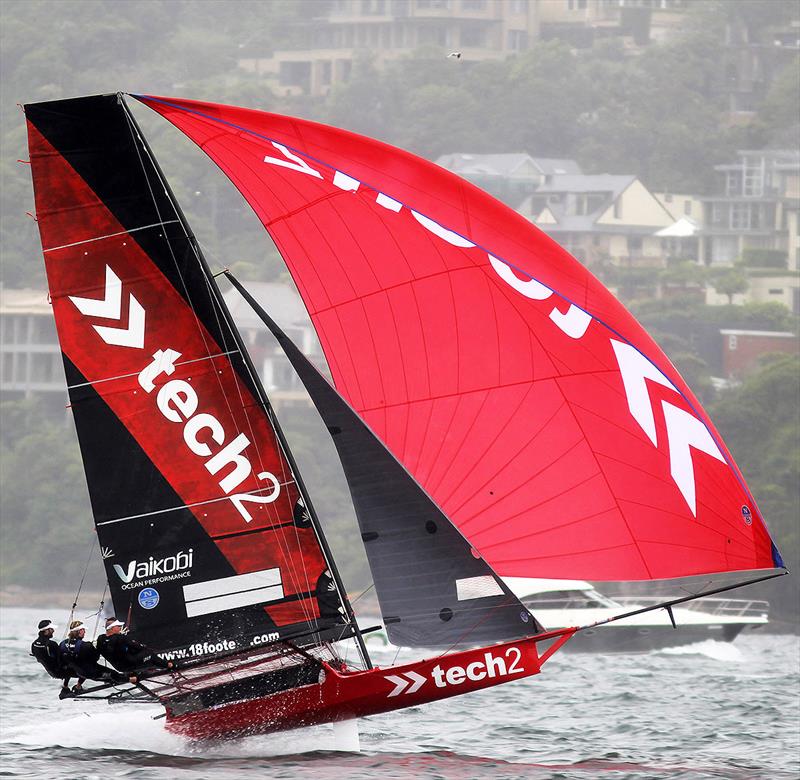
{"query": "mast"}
{"type": "Point", "coordinates": [256, 382]}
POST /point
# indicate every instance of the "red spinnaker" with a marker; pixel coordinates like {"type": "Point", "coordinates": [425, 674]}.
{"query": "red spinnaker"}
{"type": "Point", "coordinates": [514, 387]}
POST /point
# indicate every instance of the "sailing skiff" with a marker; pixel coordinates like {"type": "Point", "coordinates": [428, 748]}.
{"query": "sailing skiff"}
{"type": "Point", "coordinates": [496, 411]}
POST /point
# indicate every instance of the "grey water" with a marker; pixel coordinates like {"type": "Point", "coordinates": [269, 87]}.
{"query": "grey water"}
{"type": "Point", "coordinates": [711, 710]}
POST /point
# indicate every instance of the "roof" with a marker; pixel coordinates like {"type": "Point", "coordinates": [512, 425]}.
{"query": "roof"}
{"type": "Point", "coordinates": [682, 228]}
{"type": "Point", "coordinates": [600, 182]}
{"type": "Point", "coordinates": [280, 301]}
{"type": "Point", "coordinates": [505, 165]}
{"type": "Point", "coordinates": [611, 186]}
{"type": "Point", "coordinates": [778, 334]}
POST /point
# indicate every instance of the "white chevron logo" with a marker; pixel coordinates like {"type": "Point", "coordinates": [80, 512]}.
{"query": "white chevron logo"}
{"type": "Point", "coordinates": [110, 307]}
{"type": "Point", "coordinates": [408, 682]}
{"type": "Point", "coordinates": [684, 430]}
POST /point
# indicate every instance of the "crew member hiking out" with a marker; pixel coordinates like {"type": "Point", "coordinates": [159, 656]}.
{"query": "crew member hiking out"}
{"type": "Point", "coordinates": [126, 654]}
{"type": "Point", "coordinates": [79, 657]}
{"type": "Point", "coordinates": [45, 650]}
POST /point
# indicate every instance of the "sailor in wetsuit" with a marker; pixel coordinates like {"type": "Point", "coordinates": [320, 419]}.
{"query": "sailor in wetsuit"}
{"type": "Point", "coordinates": [79, 657]}
{"type": "Point", "coordinates": [127, 654]}
{"type": "Point", "coordinates": [45, 650]}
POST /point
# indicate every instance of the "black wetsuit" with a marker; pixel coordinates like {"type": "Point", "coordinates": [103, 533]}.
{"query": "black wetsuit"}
{"type": "Point", "coordinates": [79, 657]}
{"type": "Point", "coordinates": [45, 651]}
{"type": "Point", "coordinates": [127, 654]}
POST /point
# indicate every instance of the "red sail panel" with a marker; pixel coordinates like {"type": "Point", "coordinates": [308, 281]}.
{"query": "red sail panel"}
{"type": "Point", "coordinates": [516, 389]}
{"type": "Point", "coordinates": [142, 351]}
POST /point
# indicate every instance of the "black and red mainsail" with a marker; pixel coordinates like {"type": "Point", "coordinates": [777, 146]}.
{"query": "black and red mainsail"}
{"type": "Point", "coordinates": [198, 511]}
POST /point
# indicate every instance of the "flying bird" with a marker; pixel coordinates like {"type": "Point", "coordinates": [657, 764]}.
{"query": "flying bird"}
{"type": "Point", "coordinates": [456, 54]}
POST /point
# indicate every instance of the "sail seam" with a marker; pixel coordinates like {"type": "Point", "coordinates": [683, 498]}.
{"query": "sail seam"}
{"type": "Point", "coordinates": [186, 506]}
{"type": "Point", "coordinates": [136, 373]}
{"type": "Point", "coordinates": [111, 235]}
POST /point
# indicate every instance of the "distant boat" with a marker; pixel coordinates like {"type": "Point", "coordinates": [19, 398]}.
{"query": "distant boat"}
{"type": "Point", "coordinates": [496, 412]}
{"type": "Point", "coordinates": [561, 603]}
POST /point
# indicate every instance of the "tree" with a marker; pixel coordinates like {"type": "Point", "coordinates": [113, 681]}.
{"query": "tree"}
{"type": "Point", "coordinates": [760, 422]}
{"type": "Point", "coordinates": [730, 282]}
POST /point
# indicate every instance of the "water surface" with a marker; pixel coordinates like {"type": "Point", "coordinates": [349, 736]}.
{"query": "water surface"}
{"type": "Point", "coordinates": [712, 710]}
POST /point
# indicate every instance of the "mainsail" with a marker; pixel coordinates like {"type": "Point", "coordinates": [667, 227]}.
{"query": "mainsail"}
{"type": "Point", "coordinates": [205, 537]}
{"type": "Point", "coordinates": [520, 394]}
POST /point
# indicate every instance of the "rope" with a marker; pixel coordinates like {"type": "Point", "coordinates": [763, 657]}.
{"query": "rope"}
{"type": "Point", "coordinates": [100, 609]}
{"type": "Point", "coordinates": [363, 593]}
{"type": "Point", "coordinates": [80, 586]}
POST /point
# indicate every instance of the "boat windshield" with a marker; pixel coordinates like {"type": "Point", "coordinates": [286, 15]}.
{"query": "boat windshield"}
{"type": "Point", "coordinates": [568, 599]}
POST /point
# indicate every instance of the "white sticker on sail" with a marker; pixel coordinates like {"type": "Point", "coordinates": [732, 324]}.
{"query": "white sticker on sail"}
{"type": "Point", "coordinates": [685, 432]}
{"type": "Point", "coordinates": [292, 161]}
{"type": "Point", "coordinates": [635, 368]}
{"type": "Point", "coordinates": [204, 598]}
{"type": "Point", "coordinates": [530, 288]}
{"type": "Point", "coordinates": [477, 588]}
{"type": "Point", "coordinates": [345, 182]}
{"type": "Point", "coordinates": [448, 235]}
{"type": "Point", "coordinates": [388, 203]}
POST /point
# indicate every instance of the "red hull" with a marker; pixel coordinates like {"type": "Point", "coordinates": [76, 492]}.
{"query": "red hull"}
{"type": "Point", "coordinates": [342, 695]}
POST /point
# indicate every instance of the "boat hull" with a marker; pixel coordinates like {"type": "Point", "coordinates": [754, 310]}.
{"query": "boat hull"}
{"type": "Point", "coordinates": [342, 694]}
{"type": "Point", "coordinates": [644, 639]}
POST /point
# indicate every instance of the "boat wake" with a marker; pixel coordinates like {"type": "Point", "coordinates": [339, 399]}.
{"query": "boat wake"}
{"type": "Point", "coordinates": [136, 731]}
{"type": "Point", "coordinates": [710, 648]}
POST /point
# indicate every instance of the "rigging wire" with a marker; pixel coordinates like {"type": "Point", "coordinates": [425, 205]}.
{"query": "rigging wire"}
{"type": "Point", "coordinates": [80, 586]}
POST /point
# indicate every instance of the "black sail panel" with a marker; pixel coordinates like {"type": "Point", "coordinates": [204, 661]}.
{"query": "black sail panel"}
{"type": "Point", "coordinates": [193, 497]}
{"type": "Point", "coordinates": [433, 589]}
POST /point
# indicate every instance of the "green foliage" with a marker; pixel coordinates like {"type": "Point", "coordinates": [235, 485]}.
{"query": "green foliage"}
{"type": "Point", "coordinates": [760, 422]}
{"type": "Point", "coordinates": [46, 529]}
{"type": "Point", "coordinates": [730, 282]}
{"type": "Point", "coordinates": [765, 258]}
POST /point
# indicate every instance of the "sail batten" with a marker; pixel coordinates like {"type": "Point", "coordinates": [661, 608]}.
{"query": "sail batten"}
{"type": "Point", "coordinates": [435, 294]}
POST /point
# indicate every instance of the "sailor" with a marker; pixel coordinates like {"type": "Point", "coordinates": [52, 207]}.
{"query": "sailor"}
{"type": "Point", "coordinates": [79, 657]}
{"type": "Point", "coordinates": [127, 654]}
{"type": "Point", "coordinates": [45, 650]}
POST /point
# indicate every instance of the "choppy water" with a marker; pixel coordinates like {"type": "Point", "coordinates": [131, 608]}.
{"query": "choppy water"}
{"type": "Point", "coordinates": [711, 710]}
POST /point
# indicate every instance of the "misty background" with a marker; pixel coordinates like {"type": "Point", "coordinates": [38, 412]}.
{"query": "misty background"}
{"type": "Point", "coordinates": [664, 108]}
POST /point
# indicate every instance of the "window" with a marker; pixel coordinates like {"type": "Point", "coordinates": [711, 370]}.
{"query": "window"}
{"type": "Point", "coordinates": [733, 183]}
{"type": "Point", "coordinates": [41, 367]}
{"type": "Point", "coordinates": [618, 208]}
{"type": "Point", "coordinates": [776, 291]}
{"type": "Point", "coordinates": [7, 367]}
{"type": "Point", "coordinates": [472, 36]}
{"type": "Point", "coordinates": [295, 74]}
{"type": "Point", "coordinates": [518, 6]}
{"type": "Point", "coordinates": [687, 208]}
{"type": "Point", "coordinates": [634, 245]}
{"type": "Point", "coordinates": [732, 343]}
{"type": "Point", "coordinates": [8, 327]}
{"type": "Point", "coordinates": [517, 40]}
